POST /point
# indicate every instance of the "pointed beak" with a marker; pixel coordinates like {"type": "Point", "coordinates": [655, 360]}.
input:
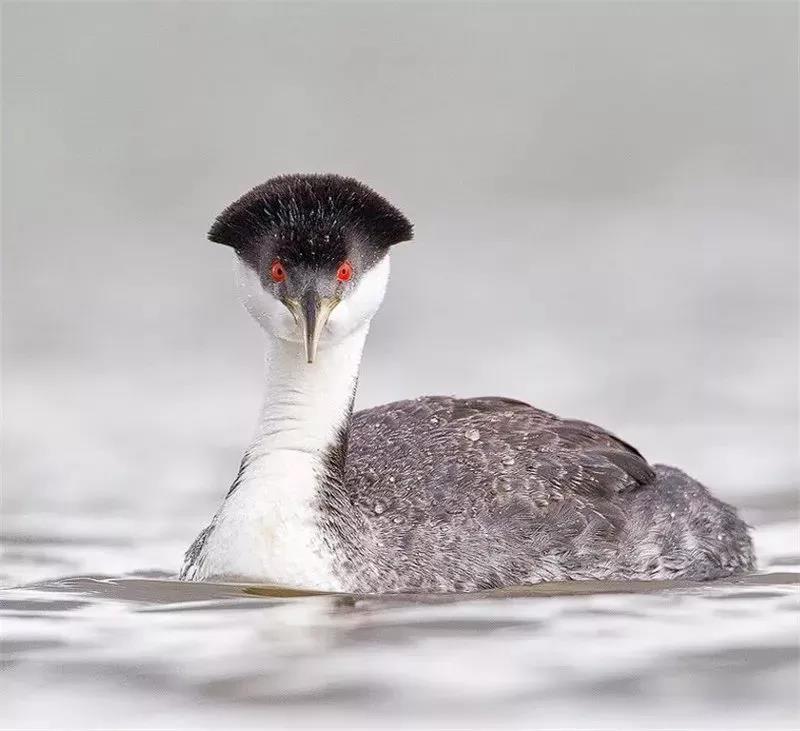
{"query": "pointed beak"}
{"type": "Point", "coordinates": [311, 314]}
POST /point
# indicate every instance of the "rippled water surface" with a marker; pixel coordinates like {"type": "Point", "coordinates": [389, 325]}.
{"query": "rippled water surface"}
{"type": "Point", "coordinates": [146, 651]}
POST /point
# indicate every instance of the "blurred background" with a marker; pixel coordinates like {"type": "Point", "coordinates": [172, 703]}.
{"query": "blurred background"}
{"type": "Point", "coordinates": [605, 204]}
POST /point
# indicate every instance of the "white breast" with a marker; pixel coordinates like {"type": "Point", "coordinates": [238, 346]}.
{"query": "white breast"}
{"type": "Point", "coordinates": [268, 529]}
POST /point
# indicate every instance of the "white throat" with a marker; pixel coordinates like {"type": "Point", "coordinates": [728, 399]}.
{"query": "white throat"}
{"type": "Point", "coordinates": [306, 404]}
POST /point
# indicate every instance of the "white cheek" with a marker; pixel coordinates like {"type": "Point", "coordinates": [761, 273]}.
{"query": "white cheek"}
{"type": "Point", "coordinates": [269, 312]}
{"type": "Point", "coordinates": [361, 304]}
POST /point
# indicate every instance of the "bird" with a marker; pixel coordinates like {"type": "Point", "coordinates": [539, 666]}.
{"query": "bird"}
{"type": "Point", "coordinates": [432, 494]}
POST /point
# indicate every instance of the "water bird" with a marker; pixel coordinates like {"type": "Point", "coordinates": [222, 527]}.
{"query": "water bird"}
{"type": "Point", "coordinates": [434, 494]}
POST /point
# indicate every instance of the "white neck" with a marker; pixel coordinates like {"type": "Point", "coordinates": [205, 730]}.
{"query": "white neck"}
{"type": "Point", "coordinates": [306, 404]}
{"type": "Point", "coordinates": [268, 528]}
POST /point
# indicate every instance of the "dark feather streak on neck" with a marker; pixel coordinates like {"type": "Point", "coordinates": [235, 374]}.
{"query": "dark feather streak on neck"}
{"type": "Point", "coordinates": [342, 524]}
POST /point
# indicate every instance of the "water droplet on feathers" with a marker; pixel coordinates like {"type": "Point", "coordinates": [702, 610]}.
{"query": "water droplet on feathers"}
{"type": "Point", "coordinates": [472, 434]}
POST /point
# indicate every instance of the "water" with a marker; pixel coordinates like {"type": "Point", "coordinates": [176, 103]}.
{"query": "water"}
{"type": "Point", "coordinates": [146, 651]}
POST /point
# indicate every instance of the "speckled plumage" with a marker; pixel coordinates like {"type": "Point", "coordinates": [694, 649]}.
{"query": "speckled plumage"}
{"type": "Point", "coordinates": [466, 494]}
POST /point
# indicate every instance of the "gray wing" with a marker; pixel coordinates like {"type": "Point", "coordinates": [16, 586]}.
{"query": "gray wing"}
{"type": "Point", "coordinates": [482, 492]}
{"type": "Point", "coordinates": [471, 440]}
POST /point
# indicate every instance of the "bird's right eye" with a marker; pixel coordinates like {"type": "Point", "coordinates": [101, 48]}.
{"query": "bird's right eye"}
{"type": "Point", "coordinates": [277, 272]}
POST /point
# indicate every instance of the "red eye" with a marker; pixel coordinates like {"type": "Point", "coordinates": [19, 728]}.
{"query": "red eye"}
{"type": "Point", "coordinates": [344, 272]}
{"type": "Point", "coordinates": [277, 272]}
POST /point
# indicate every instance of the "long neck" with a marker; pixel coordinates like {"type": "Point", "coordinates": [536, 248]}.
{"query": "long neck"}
{"type": "Point", "coordinates": [284, 515]}
{"type": "Point", "coordinates": [306, 405]}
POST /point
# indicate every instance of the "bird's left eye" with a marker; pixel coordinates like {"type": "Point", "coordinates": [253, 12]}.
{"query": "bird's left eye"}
{"type": "Point", "coordinates": [345, 272]}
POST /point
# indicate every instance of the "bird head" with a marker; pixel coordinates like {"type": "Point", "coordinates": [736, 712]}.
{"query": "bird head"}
{"type": "Point", "coordinates": [312, 255]}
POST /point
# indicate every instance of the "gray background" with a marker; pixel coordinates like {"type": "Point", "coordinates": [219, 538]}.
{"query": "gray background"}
{"type": "Point", "coordinates": [605, 201]}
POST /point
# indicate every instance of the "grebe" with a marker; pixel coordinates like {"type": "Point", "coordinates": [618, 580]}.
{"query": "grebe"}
{"type": "Point", "coordinates": [434, 494]}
